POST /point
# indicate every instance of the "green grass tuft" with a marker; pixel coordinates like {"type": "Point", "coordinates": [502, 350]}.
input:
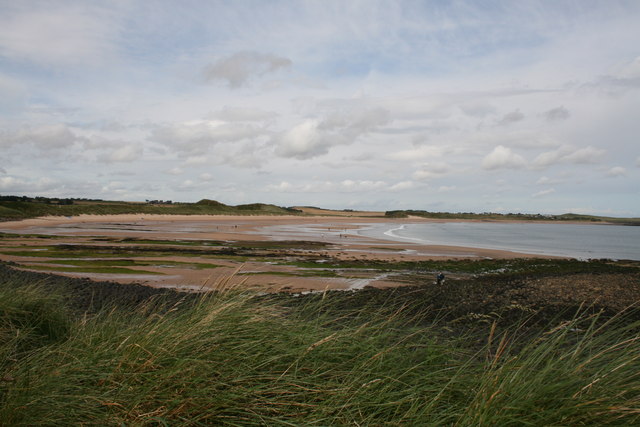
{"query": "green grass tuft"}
{"type": "Point", "coordinates": [231, 358]}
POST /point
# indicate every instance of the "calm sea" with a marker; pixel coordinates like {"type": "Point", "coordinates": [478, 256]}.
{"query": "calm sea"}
{"type": "Point", "coordinates": [583, 241]}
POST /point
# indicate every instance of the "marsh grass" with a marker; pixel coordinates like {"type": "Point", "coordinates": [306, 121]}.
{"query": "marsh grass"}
{"type": "Point", "coordinates": [230, 358]}
{"type": "Point", "coordinates": [89, 269]}
{"type": "Point", "coordinates": [112, 266]}
{"type": "Point", "coordinates": [519, 266]}
{"type": "Point", "coordinates": [298, 273]}
{"type": "Point", "coordinates": [130, 263]}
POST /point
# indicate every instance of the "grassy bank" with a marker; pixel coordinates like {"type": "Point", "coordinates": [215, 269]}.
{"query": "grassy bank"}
{"type": "Point", "coordinates": [16, 208]}
{"type": "Point", "coordinates": [22, 209]}
{"type": "Point", "coordinates": [492, 216]}
{"type": "Point", "coordinates": [233, 358]}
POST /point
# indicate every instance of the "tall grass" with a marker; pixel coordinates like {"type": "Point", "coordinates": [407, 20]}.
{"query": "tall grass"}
{"type": "Point", "coordinates": [232, 359]}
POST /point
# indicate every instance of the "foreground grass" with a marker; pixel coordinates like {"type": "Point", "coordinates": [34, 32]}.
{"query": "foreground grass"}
{"type": "Point", "coordinates": [230, 358]}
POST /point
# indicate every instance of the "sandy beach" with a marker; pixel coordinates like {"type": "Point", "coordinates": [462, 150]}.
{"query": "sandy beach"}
{"type": "Point", "coordinates": [251, 228]}
{"type": "Point", "coordinates": [336, 235]}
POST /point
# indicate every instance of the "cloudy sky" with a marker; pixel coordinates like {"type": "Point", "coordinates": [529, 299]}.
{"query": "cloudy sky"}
{"type": "Point", "coordinates": [503, 106]}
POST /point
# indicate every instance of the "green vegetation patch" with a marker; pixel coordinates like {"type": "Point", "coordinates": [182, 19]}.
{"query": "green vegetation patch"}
{"type": "Point", "coordinates": [89, 269]}
{"type": "Point", "coordinates": [522, 266]}
{"type": "Point", "coordinates": [88, 251]}
{"type": "Point", "coordinates": [193, 265]}
{"type": "Point", "coordinates": [13, 208]}
{"type": "Point", "coordinates": [93, 251]}
{"type": "Point", "coordinates": [278, 244]}
{"type": "Point", "coordinates": [132, 240]}
{"type": "Point", "coordinates": [234, 359]}
{"type": "Point", "coordinates": [298, 273]}
{"type": "Point", "coordinates": [59, 252]}
{"type": "Point", "coordinates": [16, 236]}
{"type": "Point", "coordinates": [246, 245]}
{"type": "Point", "coordinates": [99, 263]}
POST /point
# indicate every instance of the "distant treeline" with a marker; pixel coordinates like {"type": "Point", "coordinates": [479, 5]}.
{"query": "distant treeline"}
{"type": "Point", "coordinates": [510, 216]}
{"type": "Point", "coordinates": [20, 207]}
{"type": "Point", "coordinates": [46, 200]}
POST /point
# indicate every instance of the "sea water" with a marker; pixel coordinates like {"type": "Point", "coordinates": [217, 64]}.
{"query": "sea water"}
{"type": "Point", "coordinates": [582, 241]}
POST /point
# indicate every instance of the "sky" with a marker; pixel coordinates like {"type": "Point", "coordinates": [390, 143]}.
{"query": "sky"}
{"type": "Point", "coordinates": [458, 106]}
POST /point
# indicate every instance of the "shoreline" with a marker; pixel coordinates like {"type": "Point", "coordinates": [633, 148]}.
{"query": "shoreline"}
{"type": "Point", "coordinates": [268, 252]}
{"type": "Point", "coordinates": [252, 228]}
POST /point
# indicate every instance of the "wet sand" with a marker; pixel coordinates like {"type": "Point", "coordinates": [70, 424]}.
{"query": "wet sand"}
{"type": "Point", "coordinates": [338, 234]}
{"type": "Point", "coordinates": [247, 228]}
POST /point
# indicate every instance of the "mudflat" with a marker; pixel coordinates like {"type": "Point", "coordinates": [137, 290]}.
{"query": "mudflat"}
{"type": "Point", "coordinates": [192, 252]}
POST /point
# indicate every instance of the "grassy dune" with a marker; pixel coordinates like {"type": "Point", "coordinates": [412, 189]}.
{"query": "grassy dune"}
{"type": "Point", "coordinates": [21, 209]}
{"type": "Point", "coordinates": [233, 358]}
{"type": "Point", "coordinates": [15, 210]}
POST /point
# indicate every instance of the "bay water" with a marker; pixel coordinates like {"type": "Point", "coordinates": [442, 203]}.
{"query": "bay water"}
{"type": "Point", "coordinates": [582, 241]}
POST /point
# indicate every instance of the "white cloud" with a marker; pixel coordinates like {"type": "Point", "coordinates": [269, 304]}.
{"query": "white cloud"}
{"type": "Point", "coordinates": [187, 184]}
{"type": "Point", "coordinates": [543, 193]}
{"type": "Point", "coordinates": [383, 91]}
{"type": "Point", "coordinates": [400, 186]}
{"type": "Point", "coordinates": [304, 141]}
{"type": "Point", "coordinates": [586, 155]}
{"type": "Point", "coordinates": [114, 187]}
{"type": "Point", "coordinates": [430, 171]}
{"type": "Point", "coordinates": [418, 153]}
{"type": "Point", "coordinates": [545, 180]}
{"type": "Point", "coordinates": [196, 160]}
{"type": "Point", "coordinates": [630, 69]}
{"type": "Point", "coordinates": [125, 154]}
{"type": "Point", "coordinates": [478, 109]}
{"type": "Point", "coordinates": [616, 171]}
{"type": "Point", "coordinates": [248, 156]}
{"type": "Point", "coordinates": [57, 34]}
{"type": "Point", "coordinates": [314, 137]}
{"type": "Point", "coordinates": [242, 114]}
{"type": "Point", "coordinates": [345, 186]}
{"type": "Point", "coordinates": [446, 188]}
{"type": "Point", "coordinates": [556, 114]}
{"type": "Point", "coordinates": [569, 155]}
{"type": "Point", "coordinates": [622, 78]}
{"type": "Point", "coordinates": [503, 158]}
{"type": "Point", "coordinates": [548, 158]}
{"type": "Point", "coordinates": [12, 184]}
{"type": "Point", "coordinates": [199, 136]}
{"type": "Point", "coordinates": [13, 93]}
{"type": "Point", "coordinates": [361, 185]}
{"type": "Point", "coordinates": [512, 117]}
{"type": "Point", "coordinates": [236, 70]}
{"type": "Point", "coordinates": [282, 187]}
{"type": "Point", "coordinates": [363, 157]}
{"type": "Point", "coordinates": [53, 137]}
{"type": "Point", "coordinates": [9, 183]}
{"type": "Point", "coordinates": [175, 171]}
